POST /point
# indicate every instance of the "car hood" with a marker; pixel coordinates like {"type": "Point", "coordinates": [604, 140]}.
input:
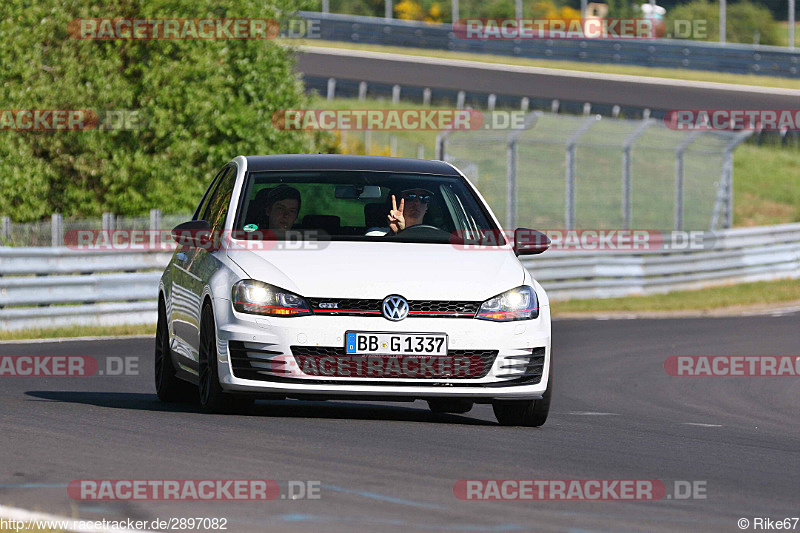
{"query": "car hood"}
{"type": "Point", "coordinates": [375, 270]}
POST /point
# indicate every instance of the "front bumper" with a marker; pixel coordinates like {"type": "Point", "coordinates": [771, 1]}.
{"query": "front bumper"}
{"type": "Point", "coordinates": [511, 339]}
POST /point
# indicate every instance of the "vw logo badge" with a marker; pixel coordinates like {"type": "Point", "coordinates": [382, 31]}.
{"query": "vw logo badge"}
{"type": "Point", "coordinates": [395, 308]}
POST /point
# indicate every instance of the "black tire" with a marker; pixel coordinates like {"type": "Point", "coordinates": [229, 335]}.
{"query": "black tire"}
{"type": "Point", "coordinates": [212, 398]}
{"type": "Point", "coordinates": [450, 405]}
{"type": "Point", "coordinates": [529, 413]}
{"type": "Point", "coordinates": [169, 387]}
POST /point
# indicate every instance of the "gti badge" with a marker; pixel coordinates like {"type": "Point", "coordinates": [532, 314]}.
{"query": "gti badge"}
{"type": "Point", "coordinates": [395, 308]}
{"type": "Point", "coordinates": [329, 305]}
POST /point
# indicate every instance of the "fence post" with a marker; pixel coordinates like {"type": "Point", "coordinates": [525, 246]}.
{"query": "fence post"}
{"type": "Point", "coordinates": [393, 145]}
{"type": "Point", "coordinates": [724, 198]}
{"type": "Point", "coordinates": [460, 99]}
{"type": "Point", "coordinates": [108, 222]}
{"type": "Point", "coordinates": [426, 96]}
{"type": "Point", "coordinates": [387, 9]}
{"type": "Point", "coordinates": [420, 151]}
{"type": "Point", "coordinates": [56, 230]}
{"type": "Point", "coordinates": [626, 172]}
{"type": "Point", "coordinates": [395, 94]}
{"type": "Point", "coordinates": [525, 103]}
{"type": "Point", "coordinates": [362, 90]}
{"type": "Point", "coordinates": [331, 88]}
{"type": "Point", "coordinates": [491, 102]}
{"type": "Point", "coordinates": [680, 173]}
{"type": "Point", "coordinates": [441, 144]}
{"type": "Point", "coordinates": [511, 182]}
{"type": "Point", "coordinates": [511, 168]}
{"type": "Point", "coordinates": [155, 228]}
{"type": "Point", "coordinates": [5, 229]}
{"type": "Point", "coordinates": [326, 6]}
{"type": "Point", "coordinates": [569, 188]}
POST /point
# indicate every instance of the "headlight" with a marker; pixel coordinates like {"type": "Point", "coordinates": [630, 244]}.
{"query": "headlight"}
{"type": "Point", "coordinates": [517, 304]}
{"type": "Point", "coordinates": [256, 297]}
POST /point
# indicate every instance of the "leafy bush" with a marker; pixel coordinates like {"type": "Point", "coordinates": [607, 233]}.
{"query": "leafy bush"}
{"type": "Point", "coordinates": [412, 10]}
{"type": "Point", "coordinates": [204, 102]}
{"type": "Point", "coordinates": [745, 21]}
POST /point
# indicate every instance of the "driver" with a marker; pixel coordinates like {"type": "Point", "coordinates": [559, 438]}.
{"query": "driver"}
{"type": "Point", "coordinates": [410, 212]}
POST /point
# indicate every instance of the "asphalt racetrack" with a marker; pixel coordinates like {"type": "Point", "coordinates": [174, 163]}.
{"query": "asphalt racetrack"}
{"type": "Point", "coordinates": [616, 414]}
{"type": "Point", "coordinates": [632, 91]}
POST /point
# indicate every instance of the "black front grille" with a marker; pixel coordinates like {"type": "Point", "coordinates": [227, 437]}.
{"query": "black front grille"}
{"type": "Point", "coordinates": [346, 306]}
{"type": "Point", "coordinates": [417, 308]}
{"type": "Point", "coordinates": [527, 369]}
{"type": "Point", "coordinates": [472, 364]}
{"type": "Point", "coordinates": [258, 363]}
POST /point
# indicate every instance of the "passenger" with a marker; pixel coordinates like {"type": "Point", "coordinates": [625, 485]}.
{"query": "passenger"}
{"type": "Point", "coordinates": [281, 207]}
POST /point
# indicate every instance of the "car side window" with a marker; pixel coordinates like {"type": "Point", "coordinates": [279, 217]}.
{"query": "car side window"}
{"type": "Point", "coordinates": [207, 196]}
{"type": "Point", "coordinates": [217, 209]}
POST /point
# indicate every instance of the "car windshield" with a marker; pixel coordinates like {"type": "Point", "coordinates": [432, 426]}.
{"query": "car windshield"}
{"type": "Point", "coordinates": [355, 206]}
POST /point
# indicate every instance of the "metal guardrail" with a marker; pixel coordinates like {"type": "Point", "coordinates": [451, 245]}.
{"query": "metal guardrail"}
{"type": "Point", "coordinates": [120, 287]}
{"type": "Point", "coordinates": [738, 255]}
{"type": "Point", "coordinates": [670, 53]}
{"type": "Point", "coordinates": [54, 287]}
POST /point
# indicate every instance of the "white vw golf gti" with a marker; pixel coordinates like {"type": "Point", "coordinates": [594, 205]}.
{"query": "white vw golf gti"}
{"type": "Point", "coordinates": [352, 277]}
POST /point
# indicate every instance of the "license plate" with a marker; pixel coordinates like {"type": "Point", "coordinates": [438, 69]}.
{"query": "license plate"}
{"type": "Point", "coordinates": [395, 343]}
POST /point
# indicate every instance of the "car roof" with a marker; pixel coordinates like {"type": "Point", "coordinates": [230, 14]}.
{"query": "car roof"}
{"type": "Point", "coordinates": [259, 163]}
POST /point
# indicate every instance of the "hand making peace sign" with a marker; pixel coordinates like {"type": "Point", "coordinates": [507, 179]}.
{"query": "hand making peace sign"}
{"type": "Point", "coordinates": [397, 221]}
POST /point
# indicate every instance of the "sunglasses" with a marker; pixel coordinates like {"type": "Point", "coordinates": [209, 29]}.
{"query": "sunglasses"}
{"type": "Point", "coordinates": [424, 198]}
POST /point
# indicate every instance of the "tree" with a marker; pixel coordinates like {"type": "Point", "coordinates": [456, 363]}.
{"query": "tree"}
{"type": "Point", "coordinates": [203, 102]}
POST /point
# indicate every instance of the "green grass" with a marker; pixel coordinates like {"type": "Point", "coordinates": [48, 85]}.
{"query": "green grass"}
{"type": "Point", "coordinates": [633, 70]}
{"type": "Point", "coordinates": [78, 331]}
{"type": "Point", "coordinates": [766, 185]}
{"type": "Point", "coordinates": [743, 294]}
{"type": "Point", "coordinates": [784, 34]}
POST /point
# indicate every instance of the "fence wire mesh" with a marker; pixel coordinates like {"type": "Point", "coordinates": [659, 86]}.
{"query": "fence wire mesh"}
{"type": "Point", "coordinates": [619, 172]}
{"type": "Point", "coordinates": [39, 234]}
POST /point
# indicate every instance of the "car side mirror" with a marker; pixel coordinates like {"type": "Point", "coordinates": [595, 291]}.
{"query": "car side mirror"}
{"type": "Point", "coordinates": [530, 242]}
{"type": "Point", "coordinates": [194, 234]}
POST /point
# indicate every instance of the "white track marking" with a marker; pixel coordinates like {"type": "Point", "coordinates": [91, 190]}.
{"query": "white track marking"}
{"type": "Point", "coordinates": [591, 413]}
